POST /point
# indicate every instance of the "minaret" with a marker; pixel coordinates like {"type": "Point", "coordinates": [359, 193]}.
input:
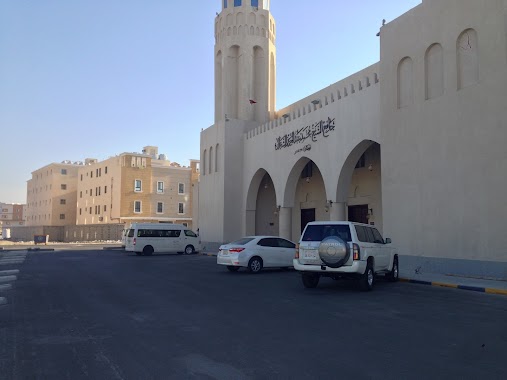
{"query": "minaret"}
{"type": "Point", "coordinates": [245, 61]}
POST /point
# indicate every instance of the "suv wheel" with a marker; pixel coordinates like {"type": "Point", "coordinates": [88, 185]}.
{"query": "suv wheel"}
{"type": "Point", "coordinates": [310, 280]}
{"type": "Point", "coordinates": [394, 274]}
{"type": "Point", "coordinates": [367, 279]}
{"type": "Point", "coordinates": [255, 265]}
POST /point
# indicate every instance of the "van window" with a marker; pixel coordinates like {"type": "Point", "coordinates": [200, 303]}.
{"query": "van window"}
{"type": "Point", "coordinates": [157, 233]}
{"type": "Point", "coordinates": [318, 232]}
{"type": "Point", "coordinates": [130, 233]}
{"type": "Point", "coordinates": [190, 233]}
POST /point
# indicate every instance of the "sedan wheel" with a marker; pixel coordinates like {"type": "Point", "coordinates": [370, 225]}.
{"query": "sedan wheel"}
{"type": "Point", "coordinates": [255, 265]}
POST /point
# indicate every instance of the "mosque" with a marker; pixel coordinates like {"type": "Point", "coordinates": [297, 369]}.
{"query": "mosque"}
{"type": "Point", "coordinates": [415, 144]}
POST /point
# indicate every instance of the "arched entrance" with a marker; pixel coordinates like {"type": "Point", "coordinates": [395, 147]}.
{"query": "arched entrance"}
{"type": "Point", "coordinates": [305, 198]}
{"type": "Point", "coordinates": [359, 192]}
{"type": "Point", "coordinates": [261, 207]}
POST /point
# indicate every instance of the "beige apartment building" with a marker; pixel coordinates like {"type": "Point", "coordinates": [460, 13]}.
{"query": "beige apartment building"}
{"type": "Point", "coordinates": [51, 195]}
{"type": "Point", "coordinates": [136, 187]}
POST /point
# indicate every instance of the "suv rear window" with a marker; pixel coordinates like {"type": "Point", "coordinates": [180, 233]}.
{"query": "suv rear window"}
{"type": "Point", "coordinates": [318, 232]}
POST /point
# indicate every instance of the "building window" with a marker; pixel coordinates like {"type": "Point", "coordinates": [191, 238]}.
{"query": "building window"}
{"type": "Point", "coordinates": [63, 187]}
{"type": "Point", "coordinates": [160, 187]}
{"type": "Point", "coordinates": [307, 171]}
{"type": "Point", "coordinates": [255, 3]}
{"type": "Point", "coordinates": [80, 194]}
{"type": "Point", "coordinates": [237, 3]}
{"type": "Point", "coordinates": [62, 201]}
{"type": "Point", "coordinates": [138, 185]}
{"type": "Point", "coordinates": [160, 207]}
{"type": "Point", "coordinates": [81, 177]}
{"type": "Point", "coordinates": [105, 189]}
{"type": "Point", "coordinates": [105, 170]}
{"type": "Point", "coordinates": [80, 211]}
{"type": "Point", "coordinates": [62, 216]}
{"type": "Point", "coordinates": [64, 171]}
{"type": "Point", "coordinates": [90, 210]}
{"type": "Point", "coordinates": [105, 208]}
{"type": "Point", "coordinates": [91, 174]}
{"type": "Point", "coordinates": [137, 207]}
{"type": "Point", "coordinates": [181, 209]}
{"type": "Point", "coordinates": [225, 3]}
{"type": "Point", "coordinates": [181, 188]}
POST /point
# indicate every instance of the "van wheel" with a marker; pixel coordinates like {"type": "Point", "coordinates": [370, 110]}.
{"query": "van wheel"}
{"type": "Point", "coordinates": [310, 280]}
{"type": "Point", "coordinates": [189, 250]}
{"type": "Point", "coordinates": [255, 265]}
{"type": "Point", "coordinates": [367, 279]}
{"type": "Point", "coordinates": [394, 274]}
{"type": "Point", "coordinates": [148, 250]}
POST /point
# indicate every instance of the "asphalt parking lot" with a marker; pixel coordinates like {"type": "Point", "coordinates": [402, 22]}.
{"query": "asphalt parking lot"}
{"type": "Point", "coordinates": [110, 315]}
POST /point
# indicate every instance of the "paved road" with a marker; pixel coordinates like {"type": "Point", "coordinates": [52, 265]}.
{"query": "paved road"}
{"type": "Point", "coordinates": [108, 315]}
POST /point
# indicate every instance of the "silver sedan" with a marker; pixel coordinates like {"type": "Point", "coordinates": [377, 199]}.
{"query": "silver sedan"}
{"type": "Point", "coordinates": [257, 252]}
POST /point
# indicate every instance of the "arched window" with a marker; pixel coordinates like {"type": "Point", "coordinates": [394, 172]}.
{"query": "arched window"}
{"type": "Point", "coordinates": [225, 3]}
{"type": "Point", "coordinates": [216, 158]}
{"type": "Point", "coordinates": [204, 162]}
{"type": "Point", "coordinates": [405, 83]}
{"type": "Point", "coordinates": [467, 58]}
{"type": "Point", "coordinates": [434, 71]}
{"type": "Point", "coordinates": [210, 160]}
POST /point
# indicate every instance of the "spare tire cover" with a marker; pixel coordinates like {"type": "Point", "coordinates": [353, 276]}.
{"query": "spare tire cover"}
{"type": "Point", "coordinates": [334, 251]}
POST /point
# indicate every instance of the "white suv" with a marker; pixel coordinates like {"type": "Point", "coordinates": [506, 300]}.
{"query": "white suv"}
{"type": "Point", "coordinates": [345, 249]}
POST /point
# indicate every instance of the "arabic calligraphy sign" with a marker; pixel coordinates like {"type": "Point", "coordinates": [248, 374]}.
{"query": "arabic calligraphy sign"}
{"type": "Point", "coordinates": [313, 132]}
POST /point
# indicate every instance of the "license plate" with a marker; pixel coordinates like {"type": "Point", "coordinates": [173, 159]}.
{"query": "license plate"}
{"type": "Point", "coordinates": [310, 255]}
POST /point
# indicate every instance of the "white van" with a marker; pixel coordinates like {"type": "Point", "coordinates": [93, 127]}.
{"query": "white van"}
{"type": "Point", "coordinates": [148, 238]}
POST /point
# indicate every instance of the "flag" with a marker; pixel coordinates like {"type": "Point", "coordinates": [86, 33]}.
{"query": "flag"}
{"type": "Point", "coordinates": [252, 101]}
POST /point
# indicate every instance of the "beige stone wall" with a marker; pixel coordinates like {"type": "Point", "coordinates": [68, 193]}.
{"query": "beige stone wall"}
{"type": "Point", "coordinates": [48, 202]}
{"type": "Point", "coordinates": [98, 192]}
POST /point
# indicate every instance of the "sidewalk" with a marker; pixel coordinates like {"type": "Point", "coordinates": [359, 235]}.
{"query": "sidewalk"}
{"type": "Point", "coordinates": [456, 282]}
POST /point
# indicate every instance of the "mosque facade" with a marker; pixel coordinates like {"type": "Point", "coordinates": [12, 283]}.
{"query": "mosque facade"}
{"type": "Point", "coordinates": [415, 144]}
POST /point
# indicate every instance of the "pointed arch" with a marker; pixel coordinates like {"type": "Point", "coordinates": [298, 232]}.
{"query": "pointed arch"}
{"type": "Point", "coordinates": [217, 157]}
{"type": "Point", "coordinates": [210, 169]}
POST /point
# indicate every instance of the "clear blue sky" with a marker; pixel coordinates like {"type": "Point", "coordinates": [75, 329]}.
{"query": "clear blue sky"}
{"type": "Point", "coordinates": [93, 78]}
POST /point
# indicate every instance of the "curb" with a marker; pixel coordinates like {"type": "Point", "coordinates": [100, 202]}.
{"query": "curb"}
{"type": "Point", "coordinates": [456, 286]}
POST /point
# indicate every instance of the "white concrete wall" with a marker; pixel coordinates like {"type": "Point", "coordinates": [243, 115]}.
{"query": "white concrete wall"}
{"type": "Point", "coordinates": [444, 159]}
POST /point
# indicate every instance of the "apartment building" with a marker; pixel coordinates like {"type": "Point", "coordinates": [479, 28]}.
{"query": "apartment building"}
{"type": "Point", "coordinates": [136, 187]}
{"type": "Point", "coordinates": [12, 214]}
{"type": "Point", "coordinates": [51, 195]}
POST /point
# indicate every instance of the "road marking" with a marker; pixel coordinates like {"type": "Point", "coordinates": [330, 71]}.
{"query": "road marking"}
{"type": "Point", "coordinates": [9, 272]}
{"type": "Point", "coordinates": [10, 262]}
{"type": "Point", "coordinates": [5, 287]}
{"type": "Point", "coordinates": [3, 300]}
{"type": "Point", "coordinates": [4, 279]}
